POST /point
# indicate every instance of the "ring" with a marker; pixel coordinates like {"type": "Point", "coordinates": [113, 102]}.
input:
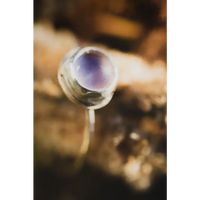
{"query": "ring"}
{"type": "Point", "coordinates": [88, 77]}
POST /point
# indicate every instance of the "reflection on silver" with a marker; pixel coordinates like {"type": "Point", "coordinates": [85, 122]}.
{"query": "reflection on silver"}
{"type": "Point", "coordinates": [74, 87]}
{"type": "Point", "coordinates": [91, 99]}
{"type": "Point", "coordinates": [87, 137]}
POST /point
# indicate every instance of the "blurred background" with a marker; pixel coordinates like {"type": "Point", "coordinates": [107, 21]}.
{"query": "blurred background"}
{"type": "Point", "coordinates": [127, 156]}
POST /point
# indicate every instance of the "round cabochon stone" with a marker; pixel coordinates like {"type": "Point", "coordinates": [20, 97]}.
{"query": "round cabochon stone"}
{"type": "Point", "coordinates": [94, 71]}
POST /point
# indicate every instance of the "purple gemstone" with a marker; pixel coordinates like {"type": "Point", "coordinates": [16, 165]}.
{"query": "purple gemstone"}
{"type": "Point", "coordinates": [94, 71]}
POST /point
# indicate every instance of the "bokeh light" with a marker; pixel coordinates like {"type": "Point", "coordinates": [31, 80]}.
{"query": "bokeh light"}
{"type": "Point", "coordinates": [127, 156]}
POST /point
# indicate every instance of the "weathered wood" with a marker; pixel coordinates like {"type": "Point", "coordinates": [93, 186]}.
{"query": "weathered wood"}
{"type": "Point", "coordinates": [137, 79]}
{"type": "Point", "coordinates": [130, 132]}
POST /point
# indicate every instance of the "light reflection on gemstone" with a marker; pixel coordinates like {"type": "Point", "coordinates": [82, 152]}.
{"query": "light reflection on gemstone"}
{"type": "Point", "coordinates": [94, 71]}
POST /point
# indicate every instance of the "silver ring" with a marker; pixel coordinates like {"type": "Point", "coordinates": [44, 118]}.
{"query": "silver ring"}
{"type": "Point", "coordinates": [88, 77]}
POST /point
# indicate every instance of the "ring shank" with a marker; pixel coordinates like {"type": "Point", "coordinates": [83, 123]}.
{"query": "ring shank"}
{"type": "Point", "coordinates": [87, 137]}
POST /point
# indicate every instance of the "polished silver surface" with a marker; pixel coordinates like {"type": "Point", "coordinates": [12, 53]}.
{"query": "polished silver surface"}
{"type": "Point", "coordinates": [88, 77]}
{"type": "Point", "coordinates": [87, 137]}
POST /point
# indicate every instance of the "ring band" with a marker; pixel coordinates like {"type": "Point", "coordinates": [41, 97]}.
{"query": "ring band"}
{"type": "Point", "coordinates": [88, 77]}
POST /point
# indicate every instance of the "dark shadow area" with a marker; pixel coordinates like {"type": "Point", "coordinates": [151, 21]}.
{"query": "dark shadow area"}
{"type": "Point", "coordinates": [90, 184]}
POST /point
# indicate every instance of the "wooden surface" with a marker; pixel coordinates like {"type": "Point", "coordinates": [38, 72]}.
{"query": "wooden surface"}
{"type": "Point", "coordinates": [130, 132]}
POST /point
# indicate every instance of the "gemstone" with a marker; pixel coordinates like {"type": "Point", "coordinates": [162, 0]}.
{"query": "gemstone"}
{"type": "Point", "coordinates": [94, 71]}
